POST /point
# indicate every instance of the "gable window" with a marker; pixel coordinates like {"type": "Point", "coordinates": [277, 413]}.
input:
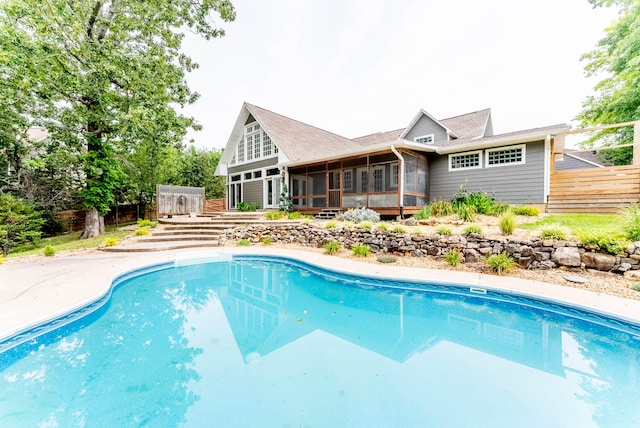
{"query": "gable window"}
{"type": "Point", "coordinates": [241, 151]}
{"type": "Point", "coordinates": [266, 145]}
{"type": "Point", "coordinates": [424, 139]}
{"type": "Point", "coordinates": [468, 160]}
{"type": "Point", "coordinates": [512, 155]}
{"type": "Point", "coordinates": [249, 139]}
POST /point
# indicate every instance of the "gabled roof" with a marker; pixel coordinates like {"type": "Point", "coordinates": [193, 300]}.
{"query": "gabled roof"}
{"type": "Point", "coordinates": [470, 125]}
{"type": "Point", "coordinates": [380, 137]}
{"type": "Point", "coordinates": [417, 118]}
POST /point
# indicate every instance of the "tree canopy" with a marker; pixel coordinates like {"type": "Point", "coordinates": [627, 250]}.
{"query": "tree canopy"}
{"type": "Point", "coordinates": [617, 59]}
{"type": "Point", "coordinates": [103, 76]}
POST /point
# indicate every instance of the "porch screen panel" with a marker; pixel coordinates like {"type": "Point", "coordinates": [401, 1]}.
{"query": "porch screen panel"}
{"type": "Point", "coordinates": [318, 186]}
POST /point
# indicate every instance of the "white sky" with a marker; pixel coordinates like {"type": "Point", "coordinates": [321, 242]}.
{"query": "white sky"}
{"type": "Point", "coordinates": [358, 67]}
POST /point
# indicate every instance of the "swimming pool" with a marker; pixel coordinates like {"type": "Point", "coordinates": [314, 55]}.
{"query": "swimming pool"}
{"type": "Point", "coordinates": [269, 341]}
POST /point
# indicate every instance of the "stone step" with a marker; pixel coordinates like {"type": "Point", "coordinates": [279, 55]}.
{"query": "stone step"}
{"type": "Point", "coordinates": [190, 231]}
{"type": "Point", "coordinates": [176, 237]}
{"type": "Point", "coordinates": [158, 246]}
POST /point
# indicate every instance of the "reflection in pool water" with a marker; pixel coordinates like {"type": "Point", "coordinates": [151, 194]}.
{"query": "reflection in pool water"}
{"type": "Point", "coordinates": [273, 342]}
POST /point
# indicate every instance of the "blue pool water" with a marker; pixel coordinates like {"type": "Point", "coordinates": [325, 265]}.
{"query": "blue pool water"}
{"type": "Point", "coordinates": [272, 342]}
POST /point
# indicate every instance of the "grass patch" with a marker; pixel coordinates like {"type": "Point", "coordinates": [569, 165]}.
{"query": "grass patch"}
{"type": "Point", "coordinates": [500, 263]}
{"type": "Point", "coordinates": [49, 251]}
{"type": "Point", "coordinates": [580, 223]}
{"type": "Point", "coordinates": [399, 229]}
{"type": "Point", "coordinates": [331, 247]}
{"type": "Point", "coordinates": [424, 213]}
{"type": "Point", "coordinates": [110, 242]}
{"type": "Point", "coordinates": [387, 258]}
{"type": "Point", "coordinates": [366, 225]}
{"type": "Point", "coordinates": [555, 231]}
{"type": "Point", "coordinates": [361, 250]}
{"type": "Point", "coordinates": [604, 241]}
{"type": "Point", "coordinates": [243, 243]}
{"type": "Point", "coordinates": [453, 257]}
{"type": "Point", "coordinates": [526, 210]}
{"type": "Point", "coordinates": [141, 232]}
{"type": "Point", "coordinates": [444, 230]}
{"type": "Point", "coordinates": [267, 240]}
{"type": "Point", "coordinates": [331, 224]}
{"type": "Point", "coordinates": [507, 223]}
{"type": "Point", "coordinates": [382, 226]}
{"type": "Point", "coordinates": [275, 215]}
{"type": "Point", "coordinates": [472, 228]}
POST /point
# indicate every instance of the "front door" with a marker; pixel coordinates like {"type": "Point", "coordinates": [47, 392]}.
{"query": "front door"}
{"type": "Point", "coordinates": [334, 189]}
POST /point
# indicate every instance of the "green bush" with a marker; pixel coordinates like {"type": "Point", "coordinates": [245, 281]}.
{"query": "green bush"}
{"type": "Point", "coordinates": [49, 251]}
{"type": "Point", "coordinates": [481, 202]}
{"type": "Point", "coordinates": [20, 222]}
{"type": "Point", "coordinates": [382, 226]}
{"type": "Point", "coordinates": [246, 207]}
{"type": "Point", "coordinates": [306, 221]}
{"type": "Point", "coordinates": [331, 247]}
{"type": "Point", "coordinates": [295, 215]}
{"type": "Point", "coordinates": [110, 242]}
{"type": "Point", "coordinates": [453, 257]}
{"type": "Point", "coordinates": [604, 241]}
{"type": "Point", "coordinates": [366, 225]}
{"type": "Point", "coordinates": [399, 229]}
{"type": "Point", "coordinates": [1, 259]}
{"type": "Point", "coordinates": [359, 215]}
{"type": "Point", "coordinates": [631, 222]}
{"type": "Point", "coordinates": [141, 232]}
{"type": "Point", "coordinates": [467, 212]}
{"type": "Point", "coordinates": [424, 213]}
{"type": "Point", "coordinates": [331, 224]}
{"type": "Point", "coordinates": [387, 258]}
{"type": "Point", "coordinates": [444, 230]}
{"type": "Point", "coordinates": [472, 228]}
{"type": "Point", "coordinates": [526, 210]}
{"type": "Point", "coordinates": [554, 231]}
{"type": "Point", "coordinates": [267, 240]}
{"type": "Point", "coordinates": [360, 250]}
{"type": "Point", "coordinates": [507, 223]}
{"type": "Point", "coordinates": [635, 287]}
{"type": "Point", "coordinates": [243, 243]}
{"type": "Point", "coordinates": [500, 263]}
{"type": "Point", "coordinates": [275, 215]}
{"type": "Point", "coordinates": [500, 208]}
{"type": "Point", "coordinates": [146, 223]}
{"type": "Point", "coordinates": [441, 208]}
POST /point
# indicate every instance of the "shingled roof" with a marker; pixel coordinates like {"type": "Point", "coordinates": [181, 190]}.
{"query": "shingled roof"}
{"type": "Point", "coordinates": [470, 125]}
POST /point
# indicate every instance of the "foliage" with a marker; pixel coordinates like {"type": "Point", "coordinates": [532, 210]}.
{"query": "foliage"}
{"type": "Point", "coordinates": [481, 202]}
{"type": "Point", "coordinates": [286, 204]}
{"type": "Point", "coordinates": [399, 229]}
{"type": "Point", "coordinates": [360, 250]}
{"type": "Point", "coordinates": [49, 251]}
{"type": "Point", "coordinates": [387, 258]}
{"type": "Point", "coordinates": [366, 225]}
{"type": "Point", "coordinates": [501, 208]}
{"type": "Point", "coordinates": [146, 223]}
{"type": "Point", "coordinates": [603, 241]}
{"type": "Point", "coordinates": [267, 240]}
{"type": "Point", "coordinates": [577, 223]}
{"type": "Point", "coordinates": [382, 226]}
{"type": "Point", "coordinates": [331, 224]}
{"type": "Point", "coordinates": [441, 208]}
{"type": "Point", "coordinates": [143, 231]}
{"type": "Point", "coordinates": [275, 215]}
{"type": "Point", "coordinates": [472, 228]}
{"type": "Point", "coordinates": [467, 212]}
{"type": "Point", "coordinates": [243, 243]}
{"type": "Point", "coordinates": [196, 168]}
{"type": "Point", "coordinates": [424, 213]}
{"type": "Point", "coordinates": [359, 215]}
{"type": "Point", "coordinates": [617, 97]}
{"type": "Point", "coordinates": [295, 215]}
{"type": "Point", "coordinates": [306, 221]}
{"type": "Point", "coordinates": [1, 259]}
{"type": "Point", "coordinates": [500, 263]}
{"type": "Point", "coordinates": [246, 206]}
{"type": "Point", "coordinates": [554, 231]}
{"type": "Point", "coordinates": [110, 242]}
{"type": "Point", "coordinates": [103, 78]}
{"type": "Point", "coordinates": [635, 287]}
{"type": "Point", "coordinates": [20, 222]}
{"type": "Point", "coordinates": [526, 210]}
{"type": "Point", "coordinates": [507, 223]}
{"type": "Point", "coordinates": [453, 257]}
{"type": "Point", "coordinates": [444, 230]}
{"type": "Point", "coordinates": [631, 221]}
{"type": "Point", "coordinates": [331, 247]}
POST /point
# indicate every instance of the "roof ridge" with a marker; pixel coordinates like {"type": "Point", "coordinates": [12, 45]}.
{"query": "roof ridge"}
{"type": "Point", "coordinates": [467, 114]}
{"type": "Point", "coordinates": [379, 132]}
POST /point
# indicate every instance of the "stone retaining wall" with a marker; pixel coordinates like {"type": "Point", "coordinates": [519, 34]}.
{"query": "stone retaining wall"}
{"type": "Point", "coordinates": [529, 254]}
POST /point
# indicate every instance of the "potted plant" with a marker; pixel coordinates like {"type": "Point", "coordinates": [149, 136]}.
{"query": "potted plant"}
{"type": "Point", "coordinates": [170, 215]}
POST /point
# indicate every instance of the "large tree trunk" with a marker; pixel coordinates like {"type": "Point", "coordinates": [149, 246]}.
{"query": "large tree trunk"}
{"type": "Point", "coordinates": [93, 224]}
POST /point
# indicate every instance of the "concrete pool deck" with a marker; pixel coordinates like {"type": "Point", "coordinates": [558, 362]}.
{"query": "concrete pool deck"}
{"type": "Point", "coordinates": [33, 292]}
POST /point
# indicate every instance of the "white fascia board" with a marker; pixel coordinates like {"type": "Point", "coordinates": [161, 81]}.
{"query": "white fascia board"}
{"type": "Point", "coordinates": [236, 134]}
{"type": "Point", "coordinates": [221, 170]}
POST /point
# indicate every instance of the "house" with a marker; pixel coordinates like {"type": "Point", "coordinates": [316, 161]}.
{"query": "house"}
{"type": "Point", "coordinates": [395, 172]}
{"type": "Point", "coordinates": [578, 159]}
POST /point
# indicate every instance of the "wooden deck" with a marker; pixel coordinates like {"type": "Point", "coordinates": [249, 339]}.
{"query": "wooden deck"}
{"type": "Point", "coordinates": [595, 190]}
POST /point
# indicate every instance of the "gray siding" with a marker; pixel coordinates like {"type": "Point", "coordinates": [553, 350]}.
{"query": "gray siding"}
{"type": "Point", "coordinates": [262, 163]}
{"type": "Point", "coordinates": [252, 192]}
{"type": "Point", "coordinates": [570, 162]}
{"type": "Point", "coordinates": [426, 126]}
{"type": "Point", "coordinates": [511, 184]}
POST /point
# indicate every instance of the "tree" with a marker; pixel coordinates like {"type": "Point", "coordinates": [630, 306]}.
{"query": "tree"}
{"type": "Point", "coordinates": [19, 222]}
{"type": "Point", "coordinates": [617, 57]}
{"type": "Point", "coordinates": [196, 168]}
{"type": "Point", "coordinates": [103, 76]}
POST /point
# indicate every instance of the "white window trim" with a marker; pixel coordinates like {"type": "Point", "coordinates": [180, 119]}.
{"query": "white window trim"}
{"type": "Point", "coordinates": [496, 149]}
{"type": "Point", "coordinates": [243, 142]}
{"type": "Point", "coordinates": [415, 140]}
{"type": "Point", "coordinates": [479, 166]}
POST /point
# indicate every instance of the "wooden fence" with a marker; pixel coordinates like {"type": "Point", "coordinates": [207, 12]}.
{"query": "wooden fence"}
{"type": "Point", "coordinates": [179, 199]}
{"type": "Point", "coordinates": [215, 205]}
{"type": "Point", "coordinates": [73, 220]}
{"type": "Point", "coordinates": [594, 190]}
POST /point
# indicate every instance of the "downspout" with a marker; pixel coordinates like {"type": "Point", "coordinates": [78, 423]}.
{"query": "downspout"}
{"type": "Point", "coordinates": [400, 178]}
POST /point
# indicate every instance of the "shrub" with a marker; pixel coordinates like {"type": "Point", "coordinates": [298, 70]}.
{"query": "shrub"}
{"type": "Point", "coordinates": [635, 287]}
{"type": "Point", "coordinates": [275, 215]}
{"type": "Point", "coordinates": [554, 231]}
{"type": "Point", "coordinates": [444, 230]}
{"type": "Point", "coordinates": [424, 213]}
{"type": "Point", "coordinates": [481, 202]}
{"type": "Point", "coordinates": [453, 257]}
{"type": "Point", "coordinates": [500, 208]}
{"type": "Point", "coordinates": [631, 221]}
{"type": "Point", "coordinates": [361, 250]}
{"type": "Point", "coordinates": [286, 203]}
{"type": "Point", "coordinates": [331, 247]}
{"type": "Point", "coordinates": [49, 251]}
{"type": "Point", "coordinates": [507, 223]}
{"type": "Point", "coordinates": [387, 258]}
{"type": "Point", "coordinates": [359, 215]}
{"type": "Point", "coordinates": [366, 225]}
{"type": "Point", "coordinates": [399, 229]}
{"type": "Point", "coordinates": [267, 240]}
{"type": "Point", "coordinates": [472, 228]}
{"type": "Point", "coordinates": [331, 224]}
{"type": "Point", "coordinates": [243, 243]}
{"type": "Point", "coordinates": [382, 226]}
{"type": "Point", "coordinates": [499, 263]}
{"type": "Point", "coordinates": [604, 241]}
{"type": "Point", "coordinates": [141, 232]}
{"type": "Point", "coordinates": [466, 212]}
{"type": "Point", "coordinates": [246, 207]}
{"type": "Point", "coordinates": [526, 210]}
{"type": "Point", "coordinates": [20, 222]}
{"type": "Point", "coordinates": [146, 223]}
{"type": "Point", "coordinates": [295, 215]}
{"type": "Point", "coordinates": [110, 242]}
{"type": "Point", "coordinates": [306, 221]}
{"type": "Point", "coordinates": [1, 259]}
{"type": "Point", "coordinates": [441, 208]}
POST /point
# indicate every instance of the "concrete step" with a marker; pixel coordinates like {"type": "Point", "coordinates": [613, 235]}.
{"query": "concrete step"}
{"type": "Point", "coordinates": [190, 231]}
{"type": "Point", "coordinates": [158, 246]}
{"type": "Point", "coordinates": [169, 238]}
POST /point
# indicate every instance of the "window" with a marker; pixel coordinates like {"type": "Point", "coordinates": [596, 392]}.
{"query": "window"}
{"type": "Point", "coordinates": [247, 176]}
{"type": "Point", "coordinates": [469, 160]}
{"type": "Point", "coordinates": [257, 174]}
{"type": "Point", "coordinates": [394, 175]}
{"type": "Point", "coordinates": [249, 139]}
{"type": "Point", "coordinates": [266, 145]}
{"type": "Point", "coordinates": [273, 171]}
{"type": "Point", "coordinates": [241, 151]}
{"type": "Point", "coordinates": [364, 175]}
{"type": "Point", "coordinates": [424, 139]}
{"type": "Point", "coordinates": [256, 146]}
{"type": "Point", "coordinates": [378, 179]}
{"type": "Point", "coordinates": [348, 180]}
{"type": "Point", "coordinates": [512, 155]}
{"type": "Point", "coordinates": [235, 177]}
